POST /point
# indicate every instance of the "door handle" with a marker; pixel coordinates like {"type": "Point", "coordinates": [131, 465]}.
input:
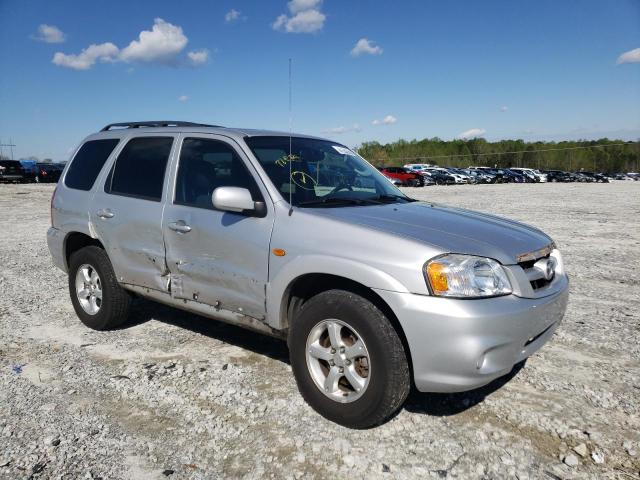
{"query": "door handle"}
{"type": "Point", "coordinates": [179, 227]}
{"type": "Point", "coordinates": [105, 213]}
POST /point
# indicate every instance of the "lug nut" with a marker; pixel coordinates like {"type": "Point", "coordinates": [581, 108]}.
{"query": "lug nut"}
{"type": "Point", "coordinates": [341, 349]}
{"type": "Point", "coordinates": [341, 370]}
{"type": "Point", "coordinates": [348, 362]}
{"type": "Point", "coordinates": [332, 363]}
{"type": "Point", "coordinates": [333, 350]}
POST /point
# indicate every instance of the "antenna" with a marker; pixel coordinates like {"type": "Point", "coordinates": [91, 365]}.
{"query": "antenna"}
{"type": "Point", "coordinates": [290, 145]}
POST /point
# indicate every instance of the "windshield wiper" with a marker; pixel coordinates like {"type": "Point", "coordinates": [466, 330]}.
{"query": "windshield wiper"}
{"type": "Point", "coordinates": [391, 198]}
{"type": "Point", "coordinates": [337, 201]}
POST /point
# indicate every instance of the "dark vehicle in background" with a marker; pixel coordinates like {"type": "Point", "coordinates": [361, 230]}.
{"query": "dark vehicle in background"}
{"type": "Point", "coordinates": [558, 176]}
{"type": "Point", "coordinates": [11, 171]}
{"type": "Point", "coordinates": [48, 172]}
{"type": "Point", "coordinates": [498, 175]}
{"type": "Point", "coordinates": [406, 176]}
{"type": "Point", "coordinates": [597, 177]}
{"type": "Point", "coordinates": [480, 176]}
{"type": "Point", "coordinates": [519, 177]}
{"type": "Point", "coordinates": [439, 178]}
{"type": "Point", "coordinates": [29, 167]}
{"type": "Point", "coordinates": [509, 176]}
{"type": "Point", "coordinates": [583, 178]}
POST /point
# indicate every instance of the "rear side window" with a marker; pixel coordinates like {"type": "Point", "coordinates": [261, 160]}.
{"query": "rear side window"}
{"type": "Point", "coordinates": [206, 165]}
{"type": "Point", "coordinates": [88, 162]}
{"type": "Point", "coordinates": [139, 169]}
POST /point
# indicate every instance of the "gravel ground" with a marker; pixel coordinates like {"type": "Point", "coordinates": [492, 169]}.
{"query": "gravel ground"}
{"type": "Point", "coordinates": [176, 395]}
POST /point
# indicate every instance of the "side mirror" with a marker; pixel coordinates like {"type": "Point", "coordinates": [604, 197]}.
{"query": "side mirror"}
{"type": "Point", "coordinates": [238, 200]}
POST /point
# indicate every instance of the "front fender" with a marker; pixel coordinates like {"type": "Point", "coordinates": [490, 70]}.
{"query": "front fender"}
{"type": "Point", "coordinates": [279, 286]}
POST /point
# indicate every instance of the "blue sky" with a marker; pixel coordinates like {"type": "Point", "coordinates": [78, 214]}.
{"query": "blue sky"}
{"type": "Point", "coordinates": [362, 70]}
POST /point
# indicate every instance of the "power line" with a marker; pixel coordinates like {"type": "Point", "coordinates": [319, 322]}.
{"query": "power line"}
{"type": "Point", "coordinates": [511, 153]}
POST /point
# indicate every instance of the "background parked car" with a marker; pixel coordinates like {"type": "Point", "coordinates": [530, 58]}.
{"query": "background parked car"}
{"type": "Point", "coordinates": [558, 176]}
{"type": "Point", "coordinates": [395, 181]}
{"type": "Point", "coordinates": [29, 167]}
{"type": "Point", "coordinates": [406, 176]}
{"type": "Point", "coordinates": [597, 177]}
{"type": "Point", "coordinates": [498, 175]}
{"type": "Point", "coordinates": [439, 178]}
{"type": "Point", "coordinates": [582, 178]}
{"type": "Point", "coordinates": [48, 172]}
{"type": "Point", "coordinates": [11, 171]}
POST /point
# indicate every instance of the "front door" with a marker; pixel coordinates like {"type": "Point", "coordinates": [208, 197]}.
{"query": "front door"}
{"type": "Point", "coordinates": [126, 211]}
{"type": "Point", "coordinates": [218, 258]}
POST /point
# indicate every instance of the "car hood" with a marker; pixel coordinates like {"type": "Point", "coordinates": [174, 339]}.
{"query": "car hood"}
{"type": "Point", "coordinates": [449, 229]}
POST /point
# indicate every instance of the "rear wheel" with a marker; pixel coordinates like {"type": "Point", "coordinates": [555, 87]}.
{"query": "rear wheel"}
{"type": "Point", "coordinates": [348, 360]}
{"type": "Point", "coordinates": [98, 299]}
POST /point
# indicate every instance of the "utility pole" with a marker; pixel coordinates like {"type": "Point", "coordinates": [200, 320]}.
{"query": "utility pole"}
{"type": "Point", "coordinates": [10, 145]}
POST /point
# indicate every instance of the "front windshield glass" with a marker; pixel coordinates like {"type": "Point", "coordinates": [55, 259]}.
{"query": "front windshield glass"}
{"type": "Point", "coordinates": [319, 173]}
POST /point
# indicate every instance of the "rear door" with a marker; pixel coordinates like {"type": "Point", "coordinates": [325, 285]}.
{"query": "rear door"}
{"type": "Point", "coordinates": [218, 258]}
{"type": "Point", "coordinates": [126, 211]}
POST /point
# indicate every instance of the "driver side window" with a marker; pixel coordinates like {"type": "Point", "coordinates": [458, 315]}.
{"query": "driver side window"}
{"type": "Point", "coordinates": [205, 165]}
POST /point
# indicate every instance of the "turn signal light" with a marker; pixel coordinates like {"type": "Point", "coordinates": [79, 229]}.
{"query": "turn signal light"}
{"type": "Point", "coordinates": [437, 277]}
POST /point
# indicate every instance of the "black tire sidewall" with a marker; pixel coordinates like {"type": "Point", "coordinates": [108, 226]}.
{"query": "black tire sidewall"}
{"type": "Point", "coordinates": [368, 321]}
{"type": "Point", "coordinates": [97, 259]}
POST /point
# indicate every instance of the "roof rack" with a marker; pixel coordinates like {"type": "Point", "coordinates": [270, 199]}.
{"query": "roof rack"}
{"type": "Point", "coordinates": [155, 123]}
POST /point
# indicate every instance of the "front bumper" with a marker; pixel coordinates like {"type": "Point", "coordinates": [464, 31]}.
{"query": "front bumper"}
{"type": "Point", "coordinates": [458, 345]}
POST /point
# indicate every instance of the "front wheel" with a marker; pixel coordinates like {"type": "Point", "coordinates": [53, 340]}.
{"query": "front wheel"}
{"type": "Point", "coordinates": [348, 360]}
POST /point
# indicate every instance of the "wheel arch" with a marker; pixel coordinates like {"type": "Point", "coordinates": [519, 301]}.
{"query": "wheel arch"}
{"type": "Point", "coordinates": [74, 241]}
{"type": "Point", "coordinates": [308, 285]}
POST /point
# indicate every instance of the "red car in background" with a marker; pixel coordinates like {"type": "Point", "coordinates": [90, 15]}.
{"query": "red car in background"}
{"type": "Point", "coordinates": [407, 177]}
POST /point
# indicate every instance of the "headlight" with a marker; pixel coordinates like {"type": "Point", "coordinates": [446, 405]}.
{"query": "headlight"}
{"type": "Point", "coordinates": [465, 276]}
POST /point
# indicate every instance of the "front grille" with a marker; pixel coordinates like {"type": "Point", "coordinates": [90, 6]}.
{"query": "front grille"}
{"type": "Point", "coordinates": [535, 276]}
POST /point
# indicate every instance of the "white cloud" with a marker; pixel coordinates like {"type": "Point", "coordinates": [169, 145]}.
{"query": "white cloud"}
{"type": "Point", "coordinates": [104, 52]}
{"type": "Point", "coordinates": [296, 6]}
{"type": "Point", "coordinates": [161, 44]}
{"type": "Point", "coordinates": [632, 56]}
{"type": "Point", "coordinates": [472, 133]}
{"type": "Point", "coordinates": [183, 98]}
{"type": "Point", "coordinates": [49, 34]}
{"type": "Point", "coordinates": [305, 17]}
{"type": "Point", "coordinates": [339, 130]}
{"type": "Point", "coordinates": [388, 120]}
{"type": "Point", "coordinates": [364, 46]}
{"type": "Point", "coordinates": [198, 57]}
{"type": "Point", "coordinates": [504, 108]}
{"type": "Point", "coordinates": [232, 15]}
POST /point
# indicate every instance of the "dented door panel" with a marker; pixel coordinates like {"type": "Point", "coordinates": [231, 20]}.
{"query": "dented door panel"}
{"type": "Point", "coordinates": [222, 261]}
{"type": "Point", "coordinates": [133, 239]}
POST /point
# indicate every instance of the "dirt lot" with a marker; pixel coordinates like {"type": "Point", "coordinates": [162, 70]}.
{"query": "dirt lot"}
{"type": "Point", "coordinates": [179, 396]}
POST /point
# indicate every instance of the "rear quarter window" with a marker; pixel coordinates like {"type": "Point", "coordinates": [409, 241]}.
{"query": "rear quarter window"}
{"type": "Point", "coordinates": [88, 162]}
{"type": "Point", "coordinates": [139, 170]}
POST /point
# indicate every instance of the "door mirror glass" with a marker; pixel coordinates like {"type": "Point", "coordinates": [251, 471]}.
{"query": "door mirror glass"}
{"type": "Point", "coordinates": [233, 199]}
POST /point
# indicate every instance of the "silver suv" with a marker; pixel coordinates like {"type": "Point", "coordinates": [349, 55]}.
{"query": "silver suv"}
{"type": "Point", "coordinates": [301, 238]}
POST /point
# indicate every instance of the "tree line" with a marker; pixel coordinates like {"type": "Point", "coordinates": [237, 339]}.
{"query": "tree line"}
{"type": "Point", "coordinates": [603, 155]}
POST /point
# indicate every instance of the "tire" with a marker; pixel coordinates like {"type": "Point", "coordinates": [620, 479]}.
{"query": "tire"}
{"type": "Point", "coordinates": [114, 302]}
{"type": "Point", "coordinates": [387, 378]}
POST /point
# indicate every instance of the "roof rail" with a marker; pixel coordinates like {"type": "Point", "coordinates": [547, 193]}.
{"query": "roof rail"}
{"type": "Point", "coordinates": [155, 123]}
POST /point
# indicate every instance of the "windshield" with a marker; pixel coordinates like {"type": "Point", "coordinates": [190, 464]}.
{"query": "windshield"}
{"type": "Point", "coordinates": [319, 173]}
